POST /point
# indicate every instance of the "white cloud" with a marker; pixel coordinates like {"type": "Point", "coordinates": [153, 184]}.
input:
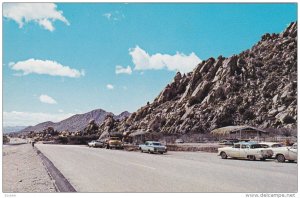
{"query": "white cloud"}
{"type": "Point", "coordinates": [123, 70]}
{"type": "Point", "coordinates": [107, 15]}
{"type": "Point", "coordinates": [47, 99]}
{"type": "Point", "coordinates": [109, 86]}
{"type": "Point", "coordinates": [43, 14]}
{"type": "Point", "coordinates": [49, 67]}
{"type": "Point", "coordinates": [115, 15]}
{"type": "Point", "coordinates": [17, 118]}
{"type": "Point", "coordinates": [60, 110]}
{"type": "Point", "coordinates": [46, 24]}
{"type": "Point", "coordinates": [178, 62]}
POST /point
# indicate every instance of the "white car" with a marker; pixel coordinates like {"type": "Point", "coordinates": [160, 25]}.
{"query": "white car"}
{"type": "Point", "coordinates": [153, 147]}
{"type": "Point", "coordinates": [286, 153]}
{"type": "Point", "coordinates": [246, 150]}
{"type": "Point", "coordinates": [179, 141]}
{"type": "Point", "coordinates": [271, 145]}
{"type": "Point", "coordinates": [96, 143]}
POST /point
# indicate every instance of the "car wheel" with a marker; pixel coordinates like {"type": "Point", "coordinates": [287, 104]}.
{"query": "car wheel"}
{"type": "Point", "coordinates": [252, 158]}
{"type": "Point", "coordinates": [161, 152]}
{"type": "Point", "coordinates": [150, 152]}
{"type": "Point", "coordinates": [280, 158]}
{"type": "Point", "coordinates": [223, 155]}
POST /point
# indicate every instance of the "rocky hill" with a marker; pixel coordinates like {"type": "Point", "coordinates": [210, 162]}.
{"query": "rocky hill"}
{"type": "Point", "coordinates": [257, 87]}
{"type": "Point", "coordinates": [77, 122]}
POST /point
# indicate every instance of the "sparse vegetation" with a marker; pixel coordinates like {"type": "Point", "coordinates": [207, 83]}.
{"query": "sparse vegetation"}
{"type": "Point", "coordinates": [5, 139]}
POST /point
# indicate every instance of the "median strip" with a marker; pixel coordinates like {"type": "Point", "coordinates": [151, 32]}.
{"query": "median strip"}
{"type": "Point", "coordinates": [61, 183]}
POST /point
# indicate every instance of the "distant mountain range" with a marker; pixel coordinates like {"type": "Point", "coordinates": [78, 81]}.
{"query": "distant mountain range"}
{"type": "Point", "coordinates": [76, 122]}
{"type": "Point", "coordinates": [11, 129]}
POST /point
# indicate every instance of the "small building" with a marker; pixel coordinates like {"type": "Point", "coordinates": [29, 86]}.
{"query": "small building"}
{"type": "Point", "coordinates": [239, 132]}
{"type": "Point", "coordinates": [139, 137]}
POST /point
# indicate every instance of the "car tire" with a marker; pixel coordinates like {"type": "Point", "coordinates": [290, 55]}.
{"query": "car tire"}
{"type": "Point", "coordinates": [280, 158]}
{"type": "Point", "coordinates": [150, 152]}
{"type": "Point", "coordinates": [223, 155]}
{"type": "Point", "coordinates": [161, 152]}
{"type": "Point", "coordinates": [251, 157]}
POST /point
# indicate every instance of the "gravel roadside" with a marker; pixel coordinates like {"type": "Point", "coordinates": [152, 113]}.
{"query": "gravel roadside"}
{"type": "Point", "coordinates": [23, 170]}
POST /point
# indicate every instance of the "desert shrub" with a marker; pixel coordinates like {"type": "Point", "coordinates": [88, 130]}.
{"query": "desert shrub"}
{"type": "Point", "coordinates": [5, 139]}
{"type": "Point", "coordinates": [248, 115]}
{"type": "Point", "coordinates": [81, 139]}
{"type": "Point", "coordinates": [289, 120]}
{"type": "Point", "coordinates": [62, 140]}
{"type": "Point", "coordinates": [193, 100]}
{"type": "Point", "coordinates": [241, 110]}
{"type": "Point", "coordinates": [223, 120]}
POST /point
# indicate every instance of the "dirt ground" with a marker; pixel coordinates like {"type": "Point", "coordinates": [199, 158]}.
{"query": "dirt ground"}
{"type": "Point", "coordinates": [23, 170]}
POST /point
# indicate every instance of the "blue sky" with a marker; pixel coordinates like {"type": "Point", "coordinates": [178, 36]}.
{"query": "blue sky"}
{"type": "Point", "coordinates": [64, 58]}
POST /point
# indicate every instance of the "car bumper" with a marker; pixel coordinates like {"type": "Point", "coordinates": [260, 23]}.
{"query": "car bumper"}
{"type": "Point", "coordinates": [266, 156]}
{"type": "Point", "coordinates": [159, 151]}
{"type": "Point", "coordinates": [116, 146]}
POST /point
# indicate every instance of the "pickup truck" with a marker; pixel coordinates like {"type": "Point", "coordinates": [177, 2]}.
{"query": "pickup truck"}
{"type": "Point", "coordinates": [246, 150]}
{"type": "Point", "coordinates": [114, 142]}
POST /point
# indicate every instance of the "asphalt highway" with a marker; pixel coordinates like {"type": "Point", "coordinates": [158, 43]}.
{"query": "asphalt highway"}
{"type": "Point", "coordinates": [102, 170]}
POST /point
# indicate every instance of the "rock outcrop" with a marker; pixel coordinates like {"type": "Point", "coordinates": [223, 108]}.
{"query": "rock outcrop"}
{"type": "Point", "coordinates": [257, 87]}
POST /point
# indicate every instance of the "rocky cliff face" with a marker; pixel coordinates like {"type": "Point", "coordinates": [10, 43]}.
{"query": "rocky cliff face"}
{"type": "Point", "coordinates": [258, 87]}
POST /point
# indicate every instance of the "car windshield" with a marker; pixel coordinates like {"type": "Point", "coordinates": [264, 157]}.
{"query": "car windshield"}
{"type": "Point", "coordinates": [254, 146]}
{"type": "Point", "coordinates": [276, 145]}
{"type": "Point", "coordinates": [264, 146]}
{"type": "Point", "coordinates": [156, 144]}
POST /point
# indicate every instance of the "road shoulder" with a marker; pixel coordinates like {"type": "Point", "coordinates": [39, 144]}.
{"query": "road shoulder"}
{"type": "Point", "coordinates": [23, 170]}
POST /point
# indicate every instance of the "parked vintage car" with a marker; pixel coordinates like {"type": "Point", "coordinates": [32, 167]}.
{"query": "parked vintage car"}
{"type": "Point", "coordinates": [153, 147]}
{"type": "Point", "coordinates": [179, 141]}
{"type": "Point", "coordinates": [271, 144]}
{"type": "Point", "coordinates": [246, 150]}
{"type": "Point", "coordinates": [96, 143]}
{"type": "Point", "coordinates": [286, 153]}
{"type": "Point", "coordinates": [228, 141]}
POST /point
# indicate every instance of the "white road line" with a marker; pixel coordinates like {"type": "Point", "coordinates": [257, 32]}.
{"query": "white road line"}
{"type": "Point", "coordinates": [152, 168]}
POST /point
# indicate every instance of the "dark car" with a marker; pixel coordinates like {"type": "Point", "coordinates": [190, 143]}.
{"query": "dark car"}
{"type": "Point", "coordinates": [228, 141]}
